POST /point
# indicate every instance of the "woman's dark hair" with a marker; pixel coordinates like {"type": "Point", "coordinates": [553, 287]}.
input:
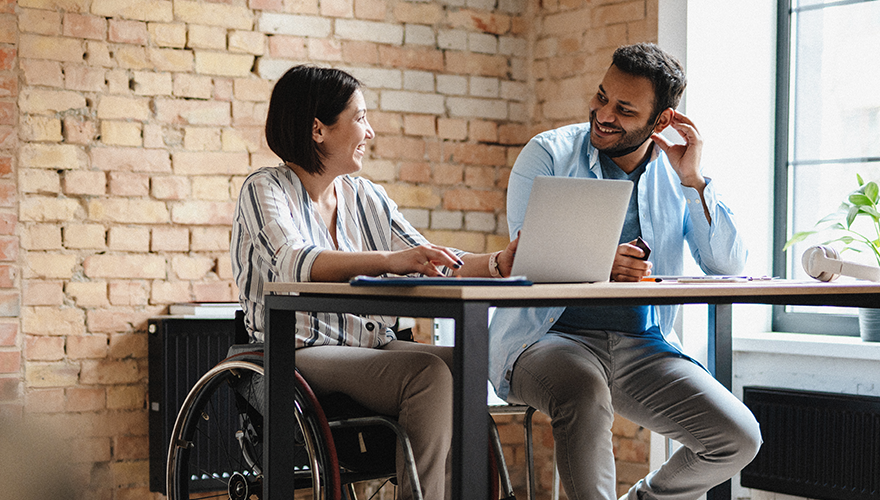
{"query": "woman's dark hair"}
{"type": "Point", "coordinates": [663, 70]}
{"type": "Point", "coordinates": [302, 94]}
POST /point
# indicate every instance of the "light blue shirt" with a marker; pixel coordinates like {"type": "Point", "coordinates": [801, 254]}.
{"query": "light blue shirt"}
{"type": "Point", "coordinates": [669, 215]}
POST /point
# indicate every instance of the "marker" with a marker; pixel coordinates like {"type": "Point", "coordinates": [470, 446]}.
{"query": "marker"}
{"type": "Point", "coordinates": [651, 279]}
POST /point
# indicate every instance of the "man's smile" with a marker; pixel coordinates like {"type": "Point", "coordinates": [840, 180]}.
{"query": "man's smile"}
{"type": "Point", "coordinates": [607, 130]}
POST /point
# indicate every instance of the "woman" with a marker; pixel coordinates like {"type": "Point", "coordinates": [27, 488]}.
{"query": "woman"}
{"type": "Point", "coordinates": [308, 219]}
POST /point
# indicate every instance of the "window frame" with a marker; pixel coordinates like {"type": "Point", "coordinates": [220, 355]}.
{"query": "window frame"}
{"type": "Point", "coordinates": [781, 319]}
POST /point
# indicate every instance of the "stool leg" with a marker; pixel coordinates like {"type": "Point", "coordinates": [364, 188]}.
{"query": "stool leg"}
{"type": "Point", "coordinates": [530, 456]}
{"type": "Point", "coordinates": [506, 485]}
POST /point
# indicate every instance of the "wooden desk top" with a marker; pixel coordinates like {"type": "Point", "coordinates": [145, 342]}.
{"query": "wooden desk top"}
{"type": "Point", "coordinates": [751, 289]}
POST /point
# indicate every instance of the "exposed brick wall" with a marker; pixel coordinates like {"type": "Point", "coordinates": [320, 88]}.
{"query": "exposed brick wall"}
{"type": "Point", "coordinates": [127, 127]}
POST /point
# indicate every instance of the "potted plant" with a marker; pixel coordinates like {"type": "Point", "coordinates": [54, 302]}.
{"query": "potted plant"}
{"type": "Point", "coordinates": [862, 205]}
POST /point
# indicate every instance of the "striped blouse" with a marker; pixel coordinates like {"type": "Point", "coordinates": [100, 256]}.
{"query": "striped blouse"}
{"type": "Point", "coordinates": [277, 234]}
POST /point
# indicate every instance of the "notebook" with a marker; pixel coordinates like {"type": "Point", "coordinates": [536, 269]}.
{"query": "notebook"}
{"type": "Point", "coordinates": [571, 229]}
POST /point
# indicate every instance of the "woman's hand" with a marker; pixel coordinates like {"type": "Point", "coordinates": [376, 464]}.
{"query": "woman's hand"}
{"type": "Point", "coordinates": [424, 259]}
{"type": "Point", "coordinates": [629, 263]}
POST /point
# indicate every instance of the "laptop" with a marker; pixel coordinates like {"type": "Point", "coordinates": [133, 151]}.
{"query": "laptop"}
{"type": "Point", "coordinates": [571, 229]}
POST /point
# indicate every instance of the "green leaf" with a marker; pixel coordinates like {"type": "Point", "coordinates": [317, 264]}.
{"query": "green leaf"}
{"type": "Point", "coordinates": [797, 238]}
{"type": "Point", "coordinates": [841, 213]}
{"type": "Point", "coordinates": [860, 199]}
{"type": "Point", "coordinates": [873, 212]}
{"type": "Point", "coordinates": [838, 225]}
{"type": "Point", "coordinates": [851, 215]}
{"type": "Point", "coordinates": [872, 191]}
{"type": "Point", "coordinates": [846, 240]}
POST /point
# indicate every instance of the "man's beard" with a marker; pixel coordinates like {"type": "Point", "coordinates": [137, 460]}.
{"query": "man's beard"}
{"type": "Point", "coordinates": [628, 141]}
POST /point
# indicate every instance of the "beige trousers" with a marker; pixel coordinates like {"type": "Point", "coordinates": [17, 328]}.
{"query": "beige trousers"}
{"type": "Point", "coordinates": [404, 379]}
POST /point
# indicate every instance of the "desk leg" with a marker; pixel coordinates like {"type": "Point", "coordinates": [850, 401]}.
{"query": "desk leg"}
{"type": "Point", "coordinates": [470, 428]}
{"type": "Point", "coordinates": [721, 366]}
{"type": "Point", "coordinates": [278, 437]}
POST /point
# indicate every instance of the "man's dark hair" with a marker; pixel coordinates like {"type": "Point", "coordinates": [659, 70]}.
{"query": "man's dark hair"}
{"type": "Point", "coordinates": [663, 71]}
{"type": "Point", "coordinates": [302, 94]}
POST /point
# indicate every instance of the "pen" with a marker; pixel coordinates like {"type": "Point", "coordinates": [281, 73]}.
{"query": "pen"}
{"type": "Point", "coordinates": [651, 279]}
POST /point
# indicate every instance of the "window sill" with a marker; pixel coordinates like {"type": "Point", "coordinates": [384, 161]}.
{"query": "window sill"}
{"type": "Point", "coordinates": [798, 344]}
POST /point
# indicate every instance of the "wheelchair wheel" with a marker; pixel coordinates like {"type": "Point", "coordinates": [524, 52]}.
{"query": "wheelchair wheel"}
{"type": "Point", "coordinates": [216, 444]}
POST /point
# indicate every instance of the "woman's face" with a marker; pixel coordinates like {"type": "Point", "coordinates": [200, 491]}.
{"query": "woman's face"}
{"type": "Point", "coordinates": [344, 143]}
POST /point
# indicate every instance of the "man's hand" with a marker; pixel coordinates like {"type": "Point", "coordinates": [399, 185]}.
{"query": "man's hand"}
{"type": "Point", "coordinates": [506, 257]}
{"type": "Point", "coordinates": [628, 264]}
{"type": "Point", "coordinates": [684, 158]}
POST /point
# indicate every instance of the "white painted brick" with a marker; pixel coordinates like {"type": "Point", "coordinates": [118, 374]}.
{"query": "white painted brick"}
{"type": "Point", "coordinates": [519, 70]}
{"type": "Point", "coordinates": [369, 31]}
{"type": "Point", "coordinates": [419, 81]}
{"type": "Point", "coordinates": [380, 171]}
{"type": "Point", "coordinates": [480, 221]}
{"type": "Point", "coordinates": [519, 112]}
{"type": "Point", "coordinates": [493, 109]}
{"type": "Point", "coordinates": [292, 24]}
{"type": "Point", "coordinates": [371, 98]}
{"type": "Point", "coordinates": [418, 217]}
{"type": "Point", "coordinates": [377, 78]}
{"type": "Point", "coordinates": [514, 91]}
{"type": "Point", "coordinates": [452, 84]}
{"type": "Point", "coordinates": [482, 86]}
{"type": "Point", "coordinates": [482, 43]}
{"type": "Point", "coordinates": [512, 6]}
{"type": "Point", "coordinates": [149, 83]}
{"type": "Point", "coordinates": [546, 48]}
{"type": "Point", "coordinates": [411, 102]}
{"type": "Point", "coordinates": [452, 39]}
{"type": "Point", "coordinates": [481, 4]}
{"type": "Point", "coordinates": [272, 69]}
{"type": "Point", "coordinates": [511, 45]}
{"type": "Point", "coordinates": [417, 34]}
{"type": "Point", "coordinates": [444, 219]}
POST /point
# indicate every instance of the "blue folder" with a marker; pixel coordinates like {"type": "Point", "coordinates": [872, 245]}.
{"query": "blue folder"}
{"type": "Point", "coordinates": [437, 281]}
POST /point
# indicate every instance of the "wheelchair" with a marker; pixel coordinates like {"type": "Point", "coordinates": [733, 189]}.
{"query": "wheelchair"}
{"type": "Point", "coordinates": [215, 448]}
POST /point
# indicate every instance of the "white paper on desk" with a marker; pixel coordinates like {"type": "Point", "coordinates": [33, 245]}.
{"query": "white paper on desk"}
{"type": "Point", "coordinates": [704, 279]}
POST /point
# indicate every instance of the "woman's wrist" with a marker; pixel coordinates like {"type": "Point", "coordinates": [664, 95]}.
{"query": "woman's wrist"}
{"type": "Point", "coordinates": [494, 268]}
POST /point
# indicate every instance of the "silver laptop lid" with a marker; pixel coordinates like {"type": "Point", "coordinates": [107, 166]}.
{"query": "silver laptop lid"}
{"type": "Point", "coordinates": [571, 229]}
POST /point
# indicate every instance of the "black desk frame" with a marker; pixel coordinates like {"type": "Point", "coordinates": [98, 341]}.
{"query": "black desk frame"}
{"type": "Point", "coordinates": [470, 426]}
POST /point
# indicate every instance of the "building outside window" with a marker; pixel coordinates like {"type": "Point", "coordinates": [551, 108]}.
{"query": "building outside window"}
{"type": "Point", "coordinates": [827, 131]}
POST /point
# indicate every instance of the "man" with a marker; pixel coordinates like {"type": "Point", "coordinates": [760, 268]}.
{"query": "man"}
{"type": "Point", "coordinates": [580, 365]}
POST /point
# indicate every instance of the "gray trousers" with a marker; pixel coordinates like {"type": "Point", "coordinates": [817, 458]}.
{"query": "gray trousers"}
{"type": "Point", "coordinates": [581, 380]}
{"type": "Point", "coordinates": [404, 379]}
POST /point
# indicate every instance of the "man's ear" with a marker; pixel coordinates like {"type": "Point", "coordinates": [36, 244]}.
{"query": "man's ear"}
{"type": "Point", "coordinates": [664, 120]}
{"type": "Point", "coordinates": [318, 131]}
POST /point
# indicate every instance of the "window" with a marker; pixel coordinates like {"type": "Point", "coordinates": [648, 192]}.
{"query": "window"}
{"type": "Point", "coordinates": [827, 131]}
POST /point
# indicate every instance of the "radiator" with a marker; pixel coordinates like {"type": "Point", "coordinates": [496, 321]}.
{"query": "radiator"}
{"type": "Point", "coordinates": [180, 351]}
{"type": "Point", "coordinates": [816, 445]}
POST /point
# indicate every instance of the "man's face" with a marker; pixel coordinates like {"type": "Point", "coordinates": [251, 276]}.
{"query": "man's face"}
{"type": "Point", "coordinates": [620, 113]}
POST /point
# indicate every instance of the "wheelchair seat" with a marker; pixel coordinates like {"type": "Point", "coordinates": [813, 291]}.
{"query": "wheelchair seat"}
{"type": "Point", "coordinates": [216, 443]}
